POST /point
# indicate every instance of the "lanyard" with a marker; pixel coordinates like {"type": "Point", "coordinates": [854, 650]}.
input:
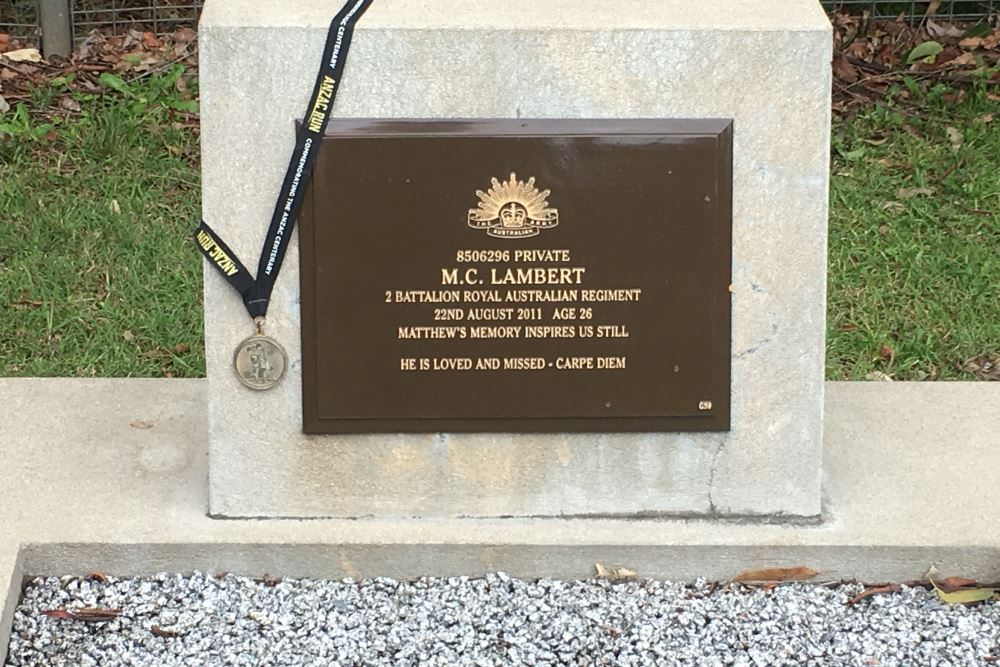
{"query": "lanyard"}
{"type": "Point", "coordinates": [256, 292]}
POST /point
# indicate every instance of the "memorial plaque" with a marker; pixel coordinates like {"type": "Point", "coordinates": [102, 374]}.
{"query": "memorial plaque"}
{"type": "Point", "coordinates": [518, 276]}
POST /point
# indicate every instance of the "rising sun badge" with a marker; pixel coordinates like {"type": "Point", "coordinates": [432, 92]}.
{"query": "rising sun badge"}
{"type": "Point", "coordinates": [513, 209]}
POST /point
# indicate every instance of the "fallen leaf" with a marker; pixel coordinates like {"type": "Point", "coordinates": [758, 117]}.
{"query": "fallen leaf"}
{"type": "Point", "coordinates": [910, 193]}
{"type": "Point", "coordinates": [128, 335]}
{"type": "Point", "coordinates": [985, 118]}
{"type": "Point", "coordinates": [878, 376]}
{"type": "Point", "coordinates": [886, 353]}
{"type": "Point", "coordinates": [183, 348]}
{"type": "Point", "coordinates": [98, 577]}
{"type": "Point", "coordinates": [952, 584]}
{"type": "Point", "coordinates": [876, 140]}
{"type": "Point", "coordinates": [986, 366]}
{"type": "Point", "coordinates": [4, 41]}
{"type": "Point", "coordinates": [971, 43]}
{"type": "Point", "coordinates": [925, 51]}
{"type": "Point", "coordinates": [966, 58]}
{"type": "Point", "coordinates": [875, 590]}
{"type": "Point", "coordinates": [614, 574]}
{"type": "Point", "coordinates": [153, 42]}
{"type": "Point", "coordinates": [160, 632]}
{"type": "Point", "coordinates": [844, 70]}
{"type": "Point", "coordinates": [84, 615]}
{"type": "Point", "coordinates": [955, 136]}
{"type": "Point", "coordinates": [115, 207]}
{"type": "Point", "coordinates": [24, 56]}
{"type": "Point", "coordinates": [24, 304]}
{"type": "Point", "coordinates": [893, 206]}
{"type": "Point", "coordinates": [932, 8]}
{"type": "Point", "coordinates": [140, 423]}
{"type": "Point", "coordinates": [935, 29]}
{"type": "Point", "coordinates": [68, 103]}
{"type": "Point", "coordinates": [798, 573]}
{"type": "Point", "coordinates": [966, 595]}
{"type": "Point", "coordinates": [883, 229]}
{"type": "Point", "coordinates": [185, 35]}
{"type": "Point", "coordinates": [4, 105]}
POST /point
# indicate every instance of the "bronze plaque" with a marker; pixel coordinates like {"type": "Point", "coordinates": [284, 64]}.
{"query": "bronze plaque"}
{"type": "Point", "coordinates": [518, 276]}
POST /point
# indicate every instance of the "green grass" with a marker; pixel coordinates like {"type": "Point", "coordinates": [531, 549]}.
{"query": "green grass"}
{"type": "Point", "coordinates": [97, 275]}
{"type": "Point", "coordinates": [914, 279]}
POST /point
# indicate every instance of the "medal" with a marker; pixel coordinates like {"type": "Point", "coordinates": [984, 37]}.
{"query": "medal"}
{"type": "Point", "coordinates": [259, 361]}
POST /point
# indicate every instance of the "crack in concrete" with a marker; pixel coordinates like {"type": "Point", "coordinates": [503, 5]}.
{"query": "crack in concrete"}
{"type": "Point", "coordinates": [712, 509]}
{"type": "Point", "coordinates": [751, 350]}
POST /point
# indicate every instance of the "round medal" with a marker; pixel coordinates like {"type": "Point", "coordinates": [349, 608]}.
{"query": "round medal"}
{"type": "Point", "coordinates": [260, 362]}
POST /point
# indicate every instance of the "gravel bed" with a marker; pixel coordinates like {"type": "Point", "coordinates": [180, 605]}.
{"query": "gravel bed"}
{"type": "Point", "coordinates": [170, 619]}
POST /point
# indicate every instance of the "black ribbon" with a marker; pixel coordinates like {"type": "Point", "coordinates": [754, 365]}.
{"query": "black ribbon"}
{"type": "Point", "coordinates": [256, 292]}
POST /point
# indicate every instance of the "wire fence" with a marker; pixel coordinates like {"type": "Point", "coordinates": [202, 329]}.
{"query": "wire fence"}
{"type": "Point", "coordinates": [59, 24]}
{"type": "Point", "coordinates": [914, 10]}
{"type": "Point", "coordinates": [19, 19]}
{"type": "Point", "coordinates": [160, 16]}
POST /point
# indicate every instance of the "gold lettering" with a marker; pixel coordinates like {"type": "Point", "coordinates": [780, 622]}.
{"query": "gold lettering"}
{"type": "Point", "coordinates": [322, 104]}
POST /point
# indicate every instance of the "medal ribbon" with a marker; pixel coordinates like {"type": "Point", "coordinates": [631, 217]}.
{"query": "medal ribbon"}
{"type": "Point", "coordinates": [256, 292]}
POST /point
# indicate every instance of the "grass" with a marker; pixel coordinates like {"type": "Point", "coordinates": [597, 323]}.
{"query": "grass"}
{"type": "Point", "coordinates": [914, 279]}
{"type": "Point", "coordinates": [98, 277]}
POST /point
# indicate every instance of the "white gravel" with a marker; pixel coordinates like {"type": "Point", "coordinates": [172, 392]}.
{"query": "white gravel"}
{"type": "Point", "coordinates": [497, 620]}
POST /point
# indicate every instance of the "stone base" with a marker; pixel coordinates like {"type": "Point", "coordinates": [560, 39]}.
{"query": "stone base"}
{"type": "Point", "coordinates": [552, 59]}
{"type": "Point", "coordinates": [82, 491]}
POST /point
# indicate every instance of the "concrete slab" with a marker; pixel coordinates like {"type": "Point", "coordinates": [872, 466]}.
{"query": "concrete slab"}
{"type": "Point", "coordinates": [81, 489]}
{"type": "Point", "coordinates": [552, 59]}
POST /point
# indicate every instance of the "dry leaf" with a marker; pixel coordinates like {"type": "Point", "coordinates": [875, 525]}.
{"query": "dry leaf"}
{"type": "Point", "coordinates": [140, 423]}
{"type": "Point", "coordinates": [909, 193]}
{"type": "Point", "coordinates": [875, 590]}
{"type": "Point", "coordinates": [798, 573]}
{"type": "Point", "coordinates": [955, 136]}
{"type": "Point", "coordinates": [966, 595]}
{"type": "Point", "coordinates": [614, 574]}
{"type": "Point", "coordinates": [24, 56]}
{"type": "Point", "coordinates": [85, 615]}
{"type": "Point", "coordinates": [971, 43]}
{"type": "Point", "coordinates": [167, 634]}
{"type": "Point", "coordinates": [4, 105]}
{"type": "Point", "coordinates": [886, 353]}
{"type": "Point", "coordinates": [115, 207]}
{"type": "Point", "coordinates": [985, 118]}
{"type": "Point", "coordinates": [183, 348]}
{"type": "Point", "coordinates": [963, 59]}
{"type": "Point", "coordinates": [844, 70]}
{"type": "Point", "coordinates": [98, 577]}
{"type": "Point", "coordinates": [68, 103]}
{"type": "Point", "coordinates": [935, 29]}
{"type": "Point", "coordinates": [24, 304]}
{"type": "Point", "coordinates": [952, 584]}
{"type": "Point", "coordinates": [128, 335]}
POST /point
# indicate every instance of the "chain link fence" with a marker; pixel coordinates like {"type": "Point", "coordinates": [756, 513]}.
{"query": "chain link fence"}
{"type": "Point", "coordinates": [58, 24]}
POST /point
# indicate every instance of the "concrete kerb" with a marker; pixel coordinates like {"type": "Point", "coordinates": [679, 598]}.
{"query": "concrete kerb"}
{"type": "Point", "coordinates": [138, 501]}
